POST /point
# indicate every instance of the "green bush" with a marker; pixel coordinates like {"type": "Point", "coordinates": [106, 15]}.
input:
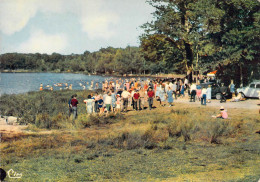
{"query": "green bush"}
{"type": "Point", "coordinates": [32, 105]}
{"type": "Point", "coordinates": [43, 121]}
{"type": "Point", "coordinates": [218, 128]}
{"type": "Point", "coordinates": [88, 120]}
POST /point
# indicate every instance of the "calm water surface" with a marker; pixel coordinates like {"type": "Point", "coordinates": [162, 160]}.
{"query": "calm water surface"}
{"type": "Point", "coordinates": [15, 83]}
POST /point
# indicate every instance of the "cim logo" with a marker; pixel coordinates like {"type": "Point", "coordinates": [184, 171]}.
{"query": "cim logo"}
{"type": "Point", "coordinates": [12, 174]}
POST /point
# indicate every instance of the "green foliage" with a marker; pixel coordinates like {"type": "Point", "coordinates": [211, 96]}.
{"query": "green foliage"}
{"type": "Point", "coordinates": [46, 109]}
{"type": "Point", "coordinates": [88, 120]}
{"type": "Point", "coordinates": [106, 60]}
{"type": "Point", "coordinates": [204, 34]}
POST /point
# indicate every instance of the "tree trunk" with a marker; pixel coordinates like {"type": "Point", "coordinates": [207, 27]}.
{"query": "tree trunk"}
{"type": "Point", "coordinates": [241, 75]}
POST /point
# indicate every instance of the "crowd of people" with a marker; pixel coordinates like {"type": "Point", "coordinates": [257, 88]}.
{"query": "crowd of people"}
{"type": "Point", "coordinates": [120, 95]}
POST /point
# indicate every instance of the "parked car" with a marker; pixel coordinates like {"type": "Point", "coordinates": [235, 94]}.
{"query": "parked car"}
{"type": "Point", "coordinates": [215, 90]}
{"type": "Point", "coordinates": [250, 91]}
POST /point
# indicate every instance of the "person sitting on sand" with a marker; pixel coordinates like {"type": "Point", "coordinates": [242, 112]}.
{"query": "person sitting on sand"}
{"type": "Point", "coordinates": [237, 98]}
{"type": "Point", "coordinates": [223, 113]}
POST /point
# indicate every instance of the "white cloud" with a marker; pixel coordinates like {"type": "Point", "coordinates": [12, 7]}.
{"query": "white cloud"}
{"type": "Point", "coordinates": [44, 43]}
{"type": "Point", "coordinates": [14, 15]}
{"type": "Point", "coordinates": [95, 19]}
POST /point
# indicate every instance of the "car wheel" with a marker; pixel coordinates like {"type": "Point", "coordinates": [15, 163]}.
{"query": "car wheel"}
{"type": "Point", "coordinates": [243, 95]}
{"type": "Point", "coordinates": [218, 96]}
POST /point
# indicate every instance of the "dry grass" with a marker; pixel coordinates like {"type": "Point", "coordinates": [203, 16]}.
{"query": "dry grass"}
{"type": "Point", "coordinates": [167, 144]}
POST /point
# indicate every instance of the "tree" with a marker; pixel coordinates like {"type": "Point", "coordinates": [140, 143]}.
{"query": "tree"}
{"type": "Point", "coordinates": [208, 31]}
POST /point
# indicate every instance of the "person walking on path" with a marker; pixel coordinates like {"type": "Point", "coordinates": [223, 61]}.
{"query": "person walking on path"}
{"type": "Point", "coordinates": [193, 88]}
{"type": "Point", "coordinates": [150, 94]}
{"type": "Point", "coordinates": [232, 88]}
{"type": "Point", "coordinates": [74, 103]}
{"type": "Point", "coordinates": [203, 96]}
{"type": "Point", "coordinates": [169, 96]}
{"type": "Point", "coordinates": [198, 91]}
{"type": "Point", "coordinates": [113, 95]}
{"type": "Point", "coordinates": [209, 94]}
{"type": "Point", "coordinates": [108, 102]}
{"type": "Point", "coordinates": [142, 99]}
{"type": "Point", "coordinates": [182, 90]}
{"type": "Point", "coordinates": [136, 98]}
{"type": "Point", "coordinates": [69, 104]}
{"type": "Point", "coordinates": [118, 103]}
{"type": "Point", "coordinates": [174, 89]}
{"type": "Point", "coordinates": [97, 97]}
{"type": "Point", "coordinates": [162, 95]}
{"type": "Point", "coordinates": [223, 91]}
{"type": "Point", "coordinates": [89, 104]}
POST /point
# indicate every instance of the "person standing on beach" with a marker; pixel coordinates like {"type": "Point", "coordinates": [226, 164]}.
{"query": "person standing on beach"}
{"type": "Point", "coordinates": [136, 98]}
{"type": "Point", "coordinates": [74, 103]}
{"type": "Point", "coordinates": [193, 89]}
{"type": "Point", "coordinates": [108, 102]}
{"type": "Point", "coordinates": [170, 96]}
{"type": "Point", "coordinates": [203, 96]}
{"type": "Point", "coordinates": [118, 103]}
{"type": "Point", "coordinates": [113, 95]}
{"type": "Point", "coordinates": [150, 94]}
{"type": "Point", "coordinates": [96, 98]}
{"type": "Point", "coordinates": [209, 94]}
{"type": "Point", "coordinates": [125, 95]}
{"type": "Point", "coordinates": [174, 89]}
{"type": "Point", "coordinates": [89, 104]}
{"type": "Point", "coordinates": [232, 88]}
{"type": "Point", "coordinates": [69, 104]}
{"type": "Point", "coordinates": [142, 98]}
{"type": "Point", "coordinates": [223, 91]}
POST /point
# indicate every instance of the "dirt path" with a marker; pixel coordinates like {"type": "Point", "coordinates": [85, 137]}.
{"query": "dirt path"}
{"type": "Point", "coordinates": [247, 104]}
{"type": "Point", "coordinates": [10, 130]}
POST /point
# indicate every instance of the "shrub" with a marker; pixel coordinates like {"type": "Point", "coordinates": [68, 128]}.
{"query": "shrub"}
{"type": "Point", "coordinates": [43, 121]}
{"type": "Point", "coordinates": [87, 120]}
{"type": "Point", "coordinates": [217, 129]}
{"type": "Point", "coordinates": [58, 120]}
{"type": "Point", "coordinates": [181, 126]}
{"type": "Point", "coordinates": [136, 139]}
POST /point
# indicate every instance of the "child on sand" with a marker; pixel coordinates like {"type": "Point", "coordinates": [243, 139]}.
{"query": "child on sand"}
{"type": "Point", "coordinates": [118, 103]}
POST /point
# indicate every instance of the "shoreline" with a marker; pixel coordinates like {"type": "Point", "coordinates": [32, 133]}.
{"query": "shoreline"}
{"type": "Point", "coordinates": [170, 75]}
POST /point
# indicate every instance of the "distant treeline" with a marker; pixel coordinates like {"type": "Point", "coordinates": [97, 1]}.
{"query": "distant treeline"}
{"type": "Point", "coordinates": [105, 61]}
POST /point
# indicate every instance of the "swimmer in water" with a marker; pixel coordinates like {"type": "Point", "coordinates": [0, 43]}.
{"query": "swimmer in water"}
{"type": "Point", "coordinates": [70, 87]}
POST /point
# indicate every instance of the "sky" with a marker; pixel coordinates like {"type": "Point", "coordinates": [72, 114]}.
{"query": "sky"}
{"type": "Point", "coordinates": [70, 26]}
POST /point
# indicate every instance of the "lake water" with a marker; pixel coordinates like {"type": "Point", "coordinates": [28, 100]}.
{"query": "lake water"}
{"type": "Point", "coordinates": [15, 83]}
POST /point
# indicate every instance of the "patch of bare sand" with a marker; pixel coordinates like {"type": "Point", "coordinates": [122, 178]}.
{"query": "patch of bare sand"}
{"type": "Point", "coordinates": [247, 104]}
{"type": "Point", "coordinates": [13, 129]}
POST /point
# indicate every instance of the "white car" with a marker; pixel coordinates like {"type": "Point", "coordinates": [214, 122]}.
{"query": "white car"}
{"type": "Point", "coordinates": [252, 90]}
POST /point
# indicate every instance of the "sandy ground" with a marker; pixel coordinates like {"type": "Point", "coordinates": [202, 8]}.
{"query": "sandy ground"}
{"type": "Point", "coordinates": [10, 130]}
{"type": "Point", "coordinates": [247, 104]}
